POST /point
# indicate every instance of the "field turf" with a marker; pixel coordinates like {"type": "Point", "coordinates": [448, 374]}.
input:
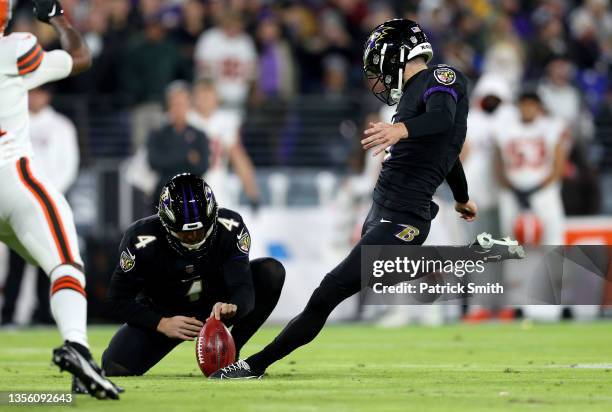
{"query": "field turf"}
{"type": "Point", "coordinates": [561, 367]}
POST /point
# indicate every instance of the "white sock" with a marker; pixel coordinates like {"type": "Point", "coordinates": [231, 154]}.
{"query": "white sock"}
{"type": "Point", "coordinates": [69, 304]}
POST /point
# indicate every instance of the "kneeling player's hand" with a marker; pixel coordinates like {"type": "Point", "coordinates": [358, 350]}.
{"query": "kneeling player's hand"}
{"type": "Point", "coordinates": [180, 327]}
{"type": "Point", "coordinates": [467, 210]}
{"type": "Point", "coordinates": [223, 310]}
{"type": "Point", "coordinates": [383, 135]}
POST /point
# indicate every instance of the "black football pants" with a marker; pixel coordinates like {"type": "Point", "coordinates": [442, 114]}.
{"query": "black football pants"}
{"type": "Point", "coordinates": [133, 350]}
{"type": "Point", "coordinates": [382, 227]}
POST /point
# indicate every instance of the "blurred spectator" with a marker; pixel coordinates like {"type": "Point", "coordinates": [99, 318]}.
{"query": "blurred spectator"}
{"type": "Point", "coordinates": [491, 106]}
{"type": "Point", "coordinates": [603, 138]}
{"type": "Point", "coordinates": [150, 62]}
{"type": "Point", "coordinates": [54, 141]}
{"type": "Point", "coordinates": [56, 156]}
{"type": "Point", "coordinates": [504, 56]}
{"type": "Point", "coordinates": [560, 97]}
{"type": "Point", "coordinates": [188, 31]}
{"type": "Point", "coordinates": [276, 67]}
{"type": "Point", "coordinates": [227, 56]}
{"type": "Point", "coordinates": [177, 147]}
{"type": "Point", "coordinates": [222, 128]}
{"type": "Point", "coordinates": [303, 35]}
{"type": "Point", "coordinates": [590, 24]}
{"type": "Point", "coordinates": [549, 44]}
{"type": "Point", "coordinates": [596, 15]}
{"type": "Point", "coordinates": [334, 76]}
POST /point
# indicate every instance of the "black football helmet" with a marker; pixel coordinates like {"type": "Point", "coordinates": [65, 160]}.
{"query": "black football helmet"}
{"type": "Point", "coordinates": [188, 210]}
{"type": "Point", "coordinates": [387, 50]}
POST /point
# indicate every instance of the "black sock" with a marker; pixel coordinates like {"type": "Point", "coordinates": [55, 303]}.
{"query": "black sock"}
{"type": "Point", "coordinates": [299, 331]}
{"type": "Point", "coordinates": [80, 348]}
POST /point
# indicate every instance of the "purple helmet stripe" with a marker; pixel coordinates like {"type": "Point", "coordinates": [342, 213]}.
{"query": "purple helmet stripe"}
{"type": "Point", "coordinates": [185, 207]}
{"type": "Point", "coordinates": [194, 204]}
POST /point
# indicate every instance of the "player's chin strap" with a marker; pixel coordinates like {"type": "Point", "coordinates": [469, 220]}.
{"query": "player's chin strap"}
{"type": "Point", "coordinates": [396, 94]}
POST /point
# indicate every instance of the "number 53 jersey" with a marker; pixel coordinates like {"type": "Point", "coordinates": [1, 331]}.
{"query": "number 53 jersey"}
{"type": "Point", "coordinates": [152, 279]}
{"type": "Point", "coordinates": [528, 149]}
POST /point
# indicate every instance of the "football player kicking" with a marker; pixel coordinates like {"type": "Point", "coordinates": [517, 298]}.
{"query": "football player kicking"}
{"type": "Point", "coordinates": [177, 268]}
{"type": "Point", "coordinates": [423, 147]}
{"type": "Point", "coordinates": [35, 219]}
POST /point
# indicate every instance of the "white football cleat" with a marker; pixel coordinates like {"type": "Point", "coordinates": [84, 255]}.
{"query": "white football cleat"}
{"type": "Point", "coordinates": [496, 250]}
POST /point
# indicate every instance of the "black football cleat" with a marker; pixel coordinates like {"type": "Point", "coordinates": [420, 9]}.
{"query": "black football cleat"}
{"type": "Point", "coordinates": [496, 250]}
{"type": "Point", "coordinates": [237, 370]}
{"type": "Point", "coordinates": [77, 360]}
{"type": "Point", "coordinates": [79, 388]}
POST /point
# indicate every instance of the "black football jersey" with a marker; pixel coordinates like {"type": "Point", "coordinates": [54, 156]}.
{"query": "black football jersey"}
{"type": "Point", "coordinates": [415, 167]}
{"type": "Point", "coordinates": [152, 280]}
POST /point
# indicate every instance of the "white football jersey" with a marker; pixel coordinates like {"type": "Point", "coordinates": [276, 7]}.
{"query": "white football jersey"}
{"type": "Point", "coordinates": [56, 147]}
{"type": "Point", "coordinates": [24, 65]}
{"type": "Point", "coordinates": [230, 61]}
{"type": "Point", "coordinates": [528, 149]}
{"type": "Point", "coordinates": [478, 164]}
{"type": "Point", "coordinates": [222, 130]}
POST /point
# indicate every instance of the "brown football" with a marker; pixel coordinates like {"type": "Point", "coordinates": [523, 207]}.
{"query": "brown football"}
{"type": "Point", "coordinates": [214, 347]}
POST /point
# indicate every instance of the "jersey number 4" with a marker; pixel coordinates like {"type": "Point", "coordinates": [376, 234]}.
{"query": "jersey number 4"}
{"type": "Point", "coordinates": [143, 241]}
{"type": "Point", "coordinates": [229, 224]}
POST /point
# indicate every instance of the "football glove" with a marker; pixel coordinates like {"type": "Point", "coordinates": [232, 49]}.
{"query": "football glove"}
{"type": "Point", "coordinates": [44, 10]}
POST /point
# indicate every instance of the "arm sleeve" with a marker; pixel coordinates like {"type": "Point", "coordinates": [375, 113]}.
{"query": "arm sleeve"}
{"type": "Point", "coordinates": [458, 183]}
{"type": "Point", "coordinates": [438, 117]}
{"type": "Point", "coordinates": [122, 302]}
{"type": "Point", "coordinates": [125, 285]}
{"type": "Point", "coordinates": [239, 282]}
{"type": "Point", "coordinates": [54, 65]}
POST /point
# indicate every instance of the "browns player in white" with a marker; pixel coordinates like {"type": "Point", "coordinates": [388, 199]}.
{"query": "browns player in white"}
{"type": "Point", "coordinates": [35, 219]}
{"type": "Point", "coordinates": [222, 128]}
{"type": "Point", "coordinates": [228, 56]}
{"type": "Point", "coordinates": [530, 158]}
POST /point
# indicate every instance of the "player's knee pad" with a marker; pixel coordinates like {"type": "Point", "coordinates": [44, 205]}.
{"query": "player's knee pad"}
{"type": "Point", "coordinates": [269, 271]}
{"type": "Point", "coordinates": [67, 276]}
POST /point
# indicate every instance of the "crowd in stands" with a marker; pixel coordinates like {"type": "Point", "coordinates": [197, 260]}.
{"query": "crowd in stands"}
{"type": "Point", "coordinates": [266, 53]}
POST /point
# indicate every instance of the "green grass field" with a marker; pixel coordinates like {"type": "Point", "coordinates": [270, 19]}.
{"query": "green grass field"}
{"type": "Point", "coordinates": [359, 368]}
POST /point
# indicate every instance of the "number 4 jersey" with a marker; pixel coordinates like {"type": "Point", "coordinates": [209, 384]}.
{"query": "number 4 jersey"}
{"type": "Point", "coordinates": [152, 280]}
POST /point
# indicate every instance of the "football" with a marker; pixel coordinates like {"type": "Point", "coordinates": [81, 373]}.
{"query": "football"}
{"type": "Point", "coordinates": [214, 347]}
